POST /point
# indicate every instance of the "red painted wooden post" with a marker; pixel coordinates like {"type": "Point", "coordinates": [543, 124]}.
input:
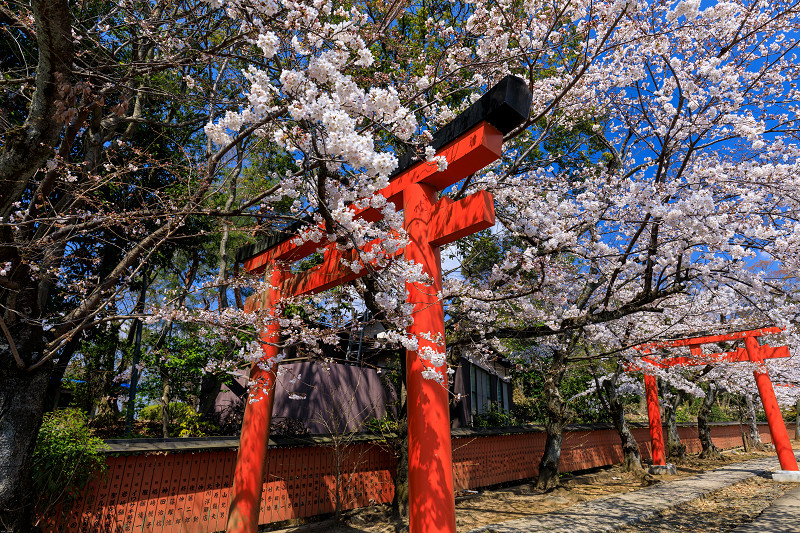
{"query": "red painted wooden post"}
{"type": "Point", "coordinates": [430, 462]}
{"type": "Point", "coordinates": [251, 462]}
{"type": "Point", "coordinates": [777, 428]}
{"type": "Point", "coordinates": [753, 352]}
{"type": "Point", "coordinates": [654, 420]}
{"type": "Point", "coordinates": [468, 143]}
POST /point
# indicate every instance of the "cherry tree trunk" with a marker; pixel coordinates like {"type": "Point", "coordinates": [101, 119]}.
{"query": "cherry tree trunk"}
{"type": "Point", "coordinates": [632, 457]}
{"type": "Point", "coordinates": [400, 445]}
{"type": "Point", "coordinates": [22, 402]}
{"type": "Point", "coordinates": [675, 448]}
{"type": "Point", "coordinates": [554, 425]}
{"type": "Point", "coordinates": [797, 420]}
{"type": "Point", "coordinates": [704, 430]}
{"type": "Point", "coordinates": [752, 424]}
{"type": "Point", "coordinates": [548, 466]}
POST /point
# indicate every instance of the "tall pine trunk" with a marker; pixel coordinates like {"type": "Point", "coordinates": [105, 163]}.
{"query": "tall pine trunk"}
{"type": "Point", "coordinates": [709, 451]}
{"type": "Point", "coordinates": [165, 391]}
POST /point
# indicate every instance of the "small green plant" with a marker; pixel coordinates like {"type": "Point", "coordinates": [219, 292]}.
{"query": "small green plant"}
{"type": "Point", "coordinates": [494, 417]}
{"type": "Point", "coordinates": [66, 458]}
{"type": "Point", "coordinates": [382, 426]}
{"type": "Point", "coordinates": [183, 420]}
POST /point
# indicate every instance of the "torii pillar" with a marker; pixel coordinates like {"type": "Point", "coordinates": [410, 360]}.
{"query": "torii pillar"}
{"type": "Point", "coordinates": [777, 428]}
{"type": "Point", "coordinates": [468, 143]}
{"type": "Point", "coordinates": [654, 421]}
{"type": "Point", "coordinates": [753, 352]}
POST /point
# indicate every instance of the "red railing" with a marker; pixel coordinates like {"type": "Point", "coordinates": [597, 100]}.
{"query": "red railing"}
{"type": "Point", "coordinates": [183, 486]}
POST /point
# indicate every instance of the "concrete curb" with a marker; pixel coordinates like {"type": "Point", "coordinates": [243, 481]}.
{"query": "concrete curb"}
{"type": "Point", "coordinates": [613, 512]}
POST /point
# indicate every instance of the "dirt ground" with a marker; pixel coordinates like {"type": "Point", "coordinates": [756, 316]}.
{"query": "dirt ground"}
{"type": "Point", "coordinates": [499, 504]}
{"type": "Point", "coordinates": [719, 512]}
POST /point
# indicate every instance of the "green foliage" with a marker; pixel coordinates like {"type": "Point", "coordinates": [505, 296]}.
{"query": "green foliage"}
{"type": "Point", "coordinates": [382, 426]}
{"type": "Point", "coordinates": [90, 376]}
{"type": "Point", "coordinates": [66, 457]}
{"type": "Point", "coordinates": [183, 420]}
{"type": "Point", "coordinates": [181, 363]}
{"type": "Point", "coordinates": [530, 408]}
{"type": "Point", "coordinates": [151, 413]}
{"type": "Point", "coordinates": [494, 417]}
{"type": "Point", "coordinates": [721, 411]}
{"type": "Point", "coordinates": [687, 411]}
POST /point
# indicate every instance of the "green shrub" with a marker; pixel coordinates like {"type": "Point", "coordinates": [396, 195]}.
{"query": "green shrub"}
{"type": "Point", "coordinates": [183, 420]}
{"type": "Point", "coordinates": [494, 417]}
{"type": "Point", "coordinates": [151, 413]}
{"type": "Point", "coordinates": [66, 458]}
{"type": "Point", "coordinates": [382, 426]}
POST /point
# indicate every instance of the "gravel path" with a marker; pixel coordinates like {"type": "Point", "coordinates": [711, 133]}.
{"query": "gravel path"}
{"type": "Point", "coordinates": [615, 512]}
{"type": "Point", "coordinates": [723, 511]}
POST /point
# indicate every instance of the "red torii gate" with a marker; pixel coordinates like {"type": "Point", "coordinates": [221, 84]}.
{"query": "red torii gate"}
{"type": "Point", "coordinates": [753, 352]}
{"type": "Point", "coordinates": [470, 142]}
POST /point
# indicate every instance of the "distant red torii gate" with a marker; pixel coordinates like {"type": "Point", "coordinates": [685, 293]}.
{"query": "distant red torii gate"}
{"type": "Point", "coordinates": [753, 352]}
{"type": "Point", "coordinates": [470, 142]}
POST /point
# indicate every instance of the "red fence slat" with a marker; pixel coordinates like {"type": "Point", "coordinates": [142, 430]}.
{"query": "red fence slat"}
{"type": "Point", "coordinates": [189, 491]}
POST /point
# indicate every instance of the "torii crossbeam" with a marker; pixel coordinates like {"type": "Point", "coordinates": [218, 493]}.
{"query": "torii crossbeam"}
{"type": "Point", "coordinates": [471, 141]}
{"type": "Point", "coordinates": [753, 352]}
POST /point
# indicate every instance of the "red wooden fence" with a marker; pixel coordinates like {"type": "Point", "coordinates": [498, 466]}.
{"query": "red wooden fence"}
{"type": "Point", "coordinates": [184, 486]}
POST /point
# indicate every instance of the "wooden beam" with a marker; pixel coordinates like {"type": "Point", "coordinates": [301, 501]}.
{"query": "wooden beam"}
{"type": "Point", "coordinates": [736, 356]}
{"type": "Point", "coordinates": [466, 155]}
{"type": "Point", "coordinates": [451, 220]}
{"type": "Point", "coordinates": [649, 346]}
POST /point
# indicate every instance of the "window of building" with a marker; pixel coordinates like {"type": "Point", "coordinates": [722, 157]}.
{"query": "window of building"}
{"type": "Point", "coordinates": [480, 389]}
{"type": "Point", "coordinates": [503, 390]}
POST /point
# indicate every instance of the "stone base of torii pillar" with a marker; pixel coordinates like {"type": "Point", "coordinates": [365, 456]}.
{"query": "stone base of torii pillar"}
{"type": "Point", "coordinates": [662, 470]}
{"type": "Point", "coordinates": [786, 476]}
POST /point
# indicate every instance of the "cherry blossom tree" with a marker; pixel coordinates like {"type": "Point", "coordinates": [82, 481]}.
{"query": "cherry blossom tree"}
{"type": "Point", "coordinates": [691, 178]}
{"type": "Point", "coordinates": [694, 199]}
{"type": "Point", "coordinates": [104, 160]}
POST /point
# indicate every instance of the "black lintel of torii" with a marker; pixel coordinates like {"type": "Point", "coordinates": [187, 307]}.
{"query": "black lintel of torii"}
{"type": "Point", "coordinates": [505, 106]}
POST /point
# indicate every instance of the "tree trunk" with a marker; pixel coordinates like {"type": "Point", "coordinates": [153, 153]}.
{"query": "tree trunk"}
{"type": "Point", "coordinates": [797, 420]}
{"type": "Point", "coordinates": [22, 399]}
{"type": "Point", "coordinates": [745, 436]}
{"type": "Point", "coordinates": [675, 448]}
{"type": "Point", "coordinates": [400, 446]}
{"type": "Point", "coordinates": [554, 426]}
{"type": "Point", "coordinates": [137, 350]}
{"type": "Point", "coordinates": [709, 451]}
{"type": "Point", "coordinates": [752, 425]}
{"type": "Point", "coordinates": [400, 501]}
{"type": "Point", "coordinates": [210, 386]}
{"type": "Point", "coordinates": [632, 457]}
{"type": "Point", "coordinates": [106, 404]}
{"type": "Point", "coordinates": [53, 393]}
{"type": "Point", "coordinates": [165, 408]}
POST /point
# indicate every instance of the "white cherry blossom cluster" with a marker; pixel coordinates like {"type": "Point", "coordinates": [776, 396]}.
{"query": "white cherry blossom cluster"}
{"type": "Point", "coordinates": [686, 216]}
